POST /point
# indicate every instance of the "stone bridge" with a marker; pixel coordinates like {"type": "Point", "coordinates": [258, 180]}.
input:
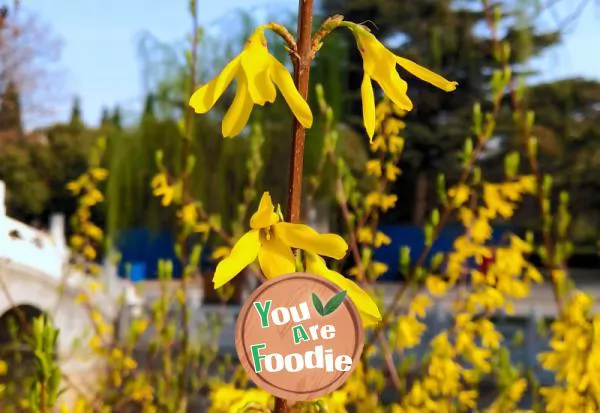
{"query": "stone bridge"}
{"type": "Point", "coordinates": [36, 279]}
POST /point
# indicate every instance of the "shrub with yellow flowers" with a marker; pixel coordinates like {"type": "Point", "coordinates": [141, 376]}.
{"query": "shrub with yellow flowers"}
{"type": "Point", "coordinates": [408, 366]}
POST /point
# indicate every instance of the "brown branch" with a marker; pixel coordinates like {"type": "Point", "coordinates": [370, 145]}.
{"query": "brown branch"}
{"type": "Point", "coordinates": [301, 79]}
{"type": "Point", "coordinates": [364, 283]}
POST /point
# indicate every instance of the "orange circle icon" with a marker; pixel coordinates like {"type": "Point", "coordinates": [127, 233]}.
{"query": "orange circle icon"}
{"type": "Point", "coordinates": [299, 336]}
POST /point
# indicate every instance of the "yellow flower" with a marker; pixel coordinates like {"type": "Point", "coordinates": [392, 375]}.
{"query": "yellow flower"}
{"type": "Point", "coordinates": [372, 199]}
{"type": "Point", "coordinates": [436, 285]}
{"type": "Point", "coordinates": [378, 269]}
{"type": "Point", "coordinates": [364, 235]}
{"type": "Point", "coordinates": [129, 363]}
{"type": "Point", "coordinates": [160, 184]}
{"type": "Point", "coordinates": [468, 398]}
{"type": "Point", "coordinates": [77, 241]}
{"type": "Point", "coordinates": [272, 241]}
{"type": "Point", "coordinates": [382, 239]}
{"type": "Point", "coordinates": [387, 202]}
{"type": "Point", "coordinates": [517, 389]}
{"type": "Point", "coordinates": [378, 144]}
{"type": "Point", "coordinates": [496, 203]}
{"type": "Point", "coordinates": [77, 185]}
{"type": "Point", "coordinates": [92, 197]}
{"type": "Point", "coordinates": [189, 216]}
{"type": "Point", "coordinates": [220, 252]}
{"type": "Point", "coordinates": [419, 305]}
{"type": "Point", "coordinates": [391, 171]}
{"type": "Point", "coordinates": [409, 332]}
{"type": "Point", "coordinates": [374, 167]}
{"type": "Point", "coordinates": [396, 144]}
{"type": "Point", "coordinates": [336, 402]}
{"type": "Point", "coordinates": [459, 194]}
{"type": "Point", "coordinates": [99, 174]}
{"type": "Point", "coordinates": [257, 73]}
{"type": "Point", "coordinates": [367, 308]}
{"type": "Point", "coordinates": [81, 298]}
{"type": "Point", "coordinates": [92, 231]}
{"type": "Point", "coordinates": [89, 252]}
{"type": "Point", "coordinates": [481, 231]}
{"type": "Point", "coordinates": [379, 64]}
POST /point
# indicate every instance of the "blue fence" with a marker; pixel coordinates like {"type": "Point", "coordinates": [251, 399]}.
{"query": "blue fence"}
{"type": "Point", "coordinates": [414, 238]}
{"type": "Point", "coordinates": [141, 249]}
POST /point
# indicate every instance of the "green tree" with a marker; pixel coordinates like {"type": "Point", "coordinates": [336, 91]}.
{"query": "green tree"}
{"type": "Point", "coordinates": [116, 118]}
{"type": "Point", "coordinates": [105, 119]}
{"type": "Point", "coordinates": [11, 122]}
{"type": "Point", "coordinates": [567, 125]}
{"type": "Point", "coordinates": [27, 193]}
{"type": "Point", "coordinates": [76, 121]}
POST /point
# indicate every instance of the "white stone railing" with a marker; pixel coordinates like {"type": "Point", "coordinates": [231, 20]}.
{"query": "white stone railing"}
{"type": "Point", "coordinates": [48, 253]}
{"type": "Point", "coordinates": [20, 243]}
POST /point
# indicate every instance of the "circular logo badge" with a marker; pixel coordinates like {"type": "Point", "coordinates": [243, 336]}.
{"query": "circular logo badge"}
{"type": "Point", "coordinates": [299, 336]}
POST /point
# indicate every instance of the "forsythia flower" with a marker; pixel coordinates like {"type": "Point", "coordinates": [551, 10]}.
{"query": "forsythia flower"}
{"type": "Point", "coordinates": [99, 174]}
{"type": "Point", "coordinates": [367, 308]}
{"type": "Point", "coordinates": [257, 73]}
{"type": "Point", "coordinates": [272, 241]}
{"type": "Point", "coordinates": [161, 187]}
{"type": "Point", "coordinates": [380, 65]}
{"type": "Point", "coordinates": [409, 332]}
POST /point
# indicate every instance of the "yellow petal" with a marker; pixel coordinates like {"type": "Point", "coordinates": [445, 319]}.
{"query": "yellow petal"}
{"type": "Point", "coordinates": [427, 75]}
{"type": "Point", "coordinates": [367, 308]}
{"type": "Point", "coordinates": [264, 216]}
{"type": "Point", "coordinates": [204, 98]}
{"type": "Point", "coordinates": [368, 103]}
{"type": "Point", "coordinates": [238, 113]}
{"type": "Point", "coordinates": [265, 89]}
{"type": "Point", "coordinates": [244, 253]}
{"type": "Point", "coordinates": [285, 83]}
{"type": "Point", "coordinates": [393, 86]}
{"type": "Point", "coordinates": [255, 61]}
{"type": "Point", "coordinates": [307, 239]}
{"type": "Point", "coordinates": [276, 258]}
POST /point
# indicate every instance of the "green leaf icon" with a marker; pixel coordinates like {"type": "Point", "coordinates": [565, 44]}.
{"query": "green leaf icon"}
{"type": "Point", "coordinates": [317, 304]}
{"type": "Point", "coordinates": [334, 303]}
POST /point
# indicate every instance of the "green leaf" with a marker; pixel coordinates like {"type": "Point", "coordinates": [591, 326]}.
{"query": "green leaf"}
{"type": "Point", "coordinates": [317, 304]}
{"type": "Point", "coordinates": [335, 302]}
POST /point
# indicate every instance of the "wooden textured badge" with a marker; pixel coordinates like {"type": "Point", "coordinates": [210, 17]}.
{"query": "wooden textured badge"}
{"type": "Point", "coordinates": [299, 336]}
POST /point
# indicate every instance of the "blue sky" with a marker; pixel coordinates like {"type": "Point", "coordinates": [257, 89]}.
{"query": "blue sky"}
{"type": "Point", "coordinates": [99, 61]}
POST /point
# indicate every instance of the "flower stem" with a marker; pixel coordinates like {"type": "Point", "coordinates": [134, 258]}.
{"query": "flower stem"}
{"type": "Point", "coordinates": [301, 78]}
